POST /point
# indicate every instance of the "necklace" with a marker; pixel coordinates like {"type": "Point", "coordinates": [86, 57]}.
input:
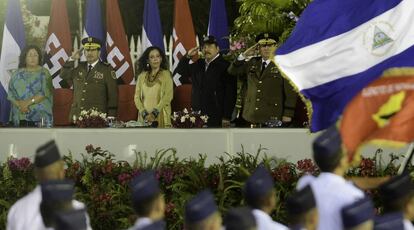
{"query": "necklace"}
{"type": "Point", "coordinates": [152, 78]}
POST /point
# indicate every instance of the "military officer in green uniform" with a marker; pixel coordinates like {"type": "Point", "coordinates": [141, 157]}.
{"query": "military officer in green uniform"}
{"type": "Point", "coordinates": [94, 82]}
{"type": "Point", "coordinates": [268, 96]}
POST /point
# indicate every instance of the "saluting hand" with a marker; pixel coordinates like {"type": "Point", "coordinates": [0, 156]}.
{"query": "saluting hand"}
{"type": "Point", "coordinates": [192, 51]}
{"type": "Point", "coordinates": [251, 51]}
{"type": "Point", "coordinates": [76, 54]}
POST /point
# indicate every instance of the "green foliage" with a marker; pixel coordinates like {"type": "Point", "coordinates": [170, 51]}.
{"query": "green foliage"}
{"type": "Point", "coordinates": [258, 16]}
{"type": "Point", "coordinates": [102, 182]}
{"type": "Point", "coordinates": [16, 180]}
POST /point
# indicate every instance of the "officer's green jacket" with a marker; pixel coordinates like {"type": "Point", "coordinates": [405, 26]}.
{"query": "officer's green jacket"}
{"type": "Point", "coordinates": [96, 89]}
{"type": "Point", "coordinates": [268, 94]}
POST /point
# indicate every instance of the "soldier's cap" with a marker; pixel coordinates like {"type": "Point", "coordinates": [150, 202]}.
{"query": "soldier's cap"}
{"type": "Point", "coordinates": [389, 221]}
{"type": "Point", "coordinates": [91, 43]}
{"type": "Point", "coordinates": [71, 220]}
{"type": "Point", "coordinates": [57, 191]}
{"type": "Point", "coordinates": [200, 207]}
{"type": "Point", "coordinates": [240, 218]}
{"type": "Point", "coordinates": [301, 201]}
{"type": "Point", "coordinates": [357, 213]}
{"type": "Point", "coordinates": [210, 39]}
{"type": "Point", "coordinates": [144, 186]}
{"type": "Point", "coordinates": [266, 38]}
{"type": "Point", "coordinates": [46, 154]}
{"type": "Point", "coordinates": [157, 225]}
{"type": "Point", "coordinates": [258, 184]}
{"type": "Point", "coordinates": [328, 143]}
{"type": "Point", "coordinates": [397, 187]}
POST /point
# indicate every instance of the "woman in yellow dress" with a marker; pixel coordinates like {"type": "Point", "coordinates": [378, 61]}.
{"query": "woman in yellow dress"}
{"type": "Point", "coordinates": [154, 89]}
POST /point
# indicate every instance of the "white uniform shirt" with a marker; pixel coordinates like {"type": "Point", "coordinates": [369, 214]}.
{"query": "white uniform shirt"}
{"type": "Point", "coordinates": [25, 213]}
{"type": "Point", "coordinates": [265, 222]}
{"type": "Point", "coordinates": [408, 225]}
{"type": "Point", "coordinates": [332, 192]}
{"type": "Point", "coordinates": [141, 223]}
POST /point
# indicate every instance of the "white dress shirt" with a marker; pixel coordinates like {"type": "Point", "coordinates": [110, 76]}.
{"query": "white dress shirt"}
{"type": "Point", "coordinates": [25, 213]}
{"type": "Point", "coordinates": [408, 225]}
{"type": "Point", "coordinates": [332, 192]}
{"type": "Point", "coordinates": [265, 222]}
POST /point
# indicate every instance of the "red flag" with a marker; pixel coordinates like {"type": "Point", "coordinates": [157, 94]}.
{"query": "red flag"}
{"type": "Point", "coordinates": [382, 113]}
{"type": "Point", "coordinates": [58, 45]}
{"type": "Point", "coordinates": [117, 43]}
{"type": "Point", "coordinates": [183, 34]}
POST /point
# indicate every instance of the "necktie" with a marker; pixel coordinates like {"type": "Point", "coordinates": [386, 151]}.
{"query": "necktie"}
{"type": "Point", "coordinates": [263, 67]}
{"type": "Point", "coordinates": [89, 68]}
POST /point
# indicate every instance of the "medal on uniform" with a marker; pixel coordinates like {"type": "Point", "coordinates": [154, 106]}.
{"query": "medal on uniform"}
{"type": "Point", "coordinates": [98, 75]}
{"type": "Point", "coordinates": [253, 69]}
{"type": "Point", "coordinates": [274, 70]}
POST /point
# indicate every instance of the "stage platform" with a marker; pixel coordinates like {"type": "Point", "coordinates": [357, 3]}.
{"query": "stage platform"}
{"type": "Point", "coordinates": [290, 144]}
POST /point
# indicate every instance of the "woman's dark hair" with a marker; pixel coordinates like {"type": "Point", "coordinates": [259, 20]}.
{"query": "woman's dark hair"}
{"type": "Point", "coordinates": [22, 58]}
{"type": "Point", "coordinates": [144, 60]}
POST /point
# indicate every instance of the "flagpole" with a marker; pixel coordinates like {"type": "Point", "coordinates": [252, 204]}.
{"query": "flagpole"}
{"type": "Point", "coordinates": [80, 18]}
{"type": "Point", "coordinates": [407, 159]}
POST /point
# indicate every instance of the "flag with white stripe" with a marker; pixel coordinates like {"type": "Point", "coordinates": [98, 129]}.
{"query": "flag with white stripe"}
{"type": "Point", "coordinates": [152, 30]}
{"type": "Point", "coordinates": [331, 56]}
{"type": "Point", "coordinates": [13, 43]}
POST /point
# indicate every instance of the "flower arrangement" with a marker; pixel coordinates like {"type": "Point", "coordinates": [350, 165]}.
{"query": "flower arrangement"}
{"type": "Point", "coordinates": [102, 182]}
{"type": "Point", "coordinates": [237, 45]}
{"type": "Point", "coordinates": [189, 119]}
{"type": "Point", "coordinates": [91, 118]}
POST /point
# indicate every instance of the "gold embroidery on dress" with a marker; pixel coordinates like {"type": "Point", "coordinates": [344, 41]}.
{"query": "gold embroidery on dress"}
{"type": "Point", "coordinates": [151, 80]}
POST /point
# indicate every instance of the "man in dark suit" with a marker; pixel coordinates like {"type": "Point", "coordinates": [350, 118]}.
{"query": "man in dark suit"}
{"type": "Point", "coordinates": [94, 82]}
{"type": "Point", "coordinates": [268, 96]}
{"type": "Point", "coordinates": [213, 90]}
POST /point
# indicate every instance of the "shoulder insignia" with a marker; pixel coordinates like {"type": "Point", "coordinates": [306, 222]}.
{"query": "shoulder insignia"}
{"type": "Point", "coordinates": [274, 70]}
{"type": "Point", "coordinates": [113, 74]}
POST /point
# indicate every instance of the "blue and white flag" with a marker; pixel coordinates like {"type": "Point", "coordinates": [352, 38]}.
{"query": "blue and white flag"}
{"type": "Point", "coordinates": [13, 43]}
{"type": "Point", "coordinates": [217, 24]}
{"type": "Point", "coordinates": [338, 47]}
{"type": "Point", "coordinates": [152, 31]}
{"type": "Point", "coordinates": [94, 24]}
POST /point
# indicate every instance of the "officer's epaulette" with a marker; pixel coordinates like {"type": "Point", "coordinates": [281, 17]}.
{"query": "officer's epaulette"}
{"type": "Point", "coordinates": [106, 63]}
